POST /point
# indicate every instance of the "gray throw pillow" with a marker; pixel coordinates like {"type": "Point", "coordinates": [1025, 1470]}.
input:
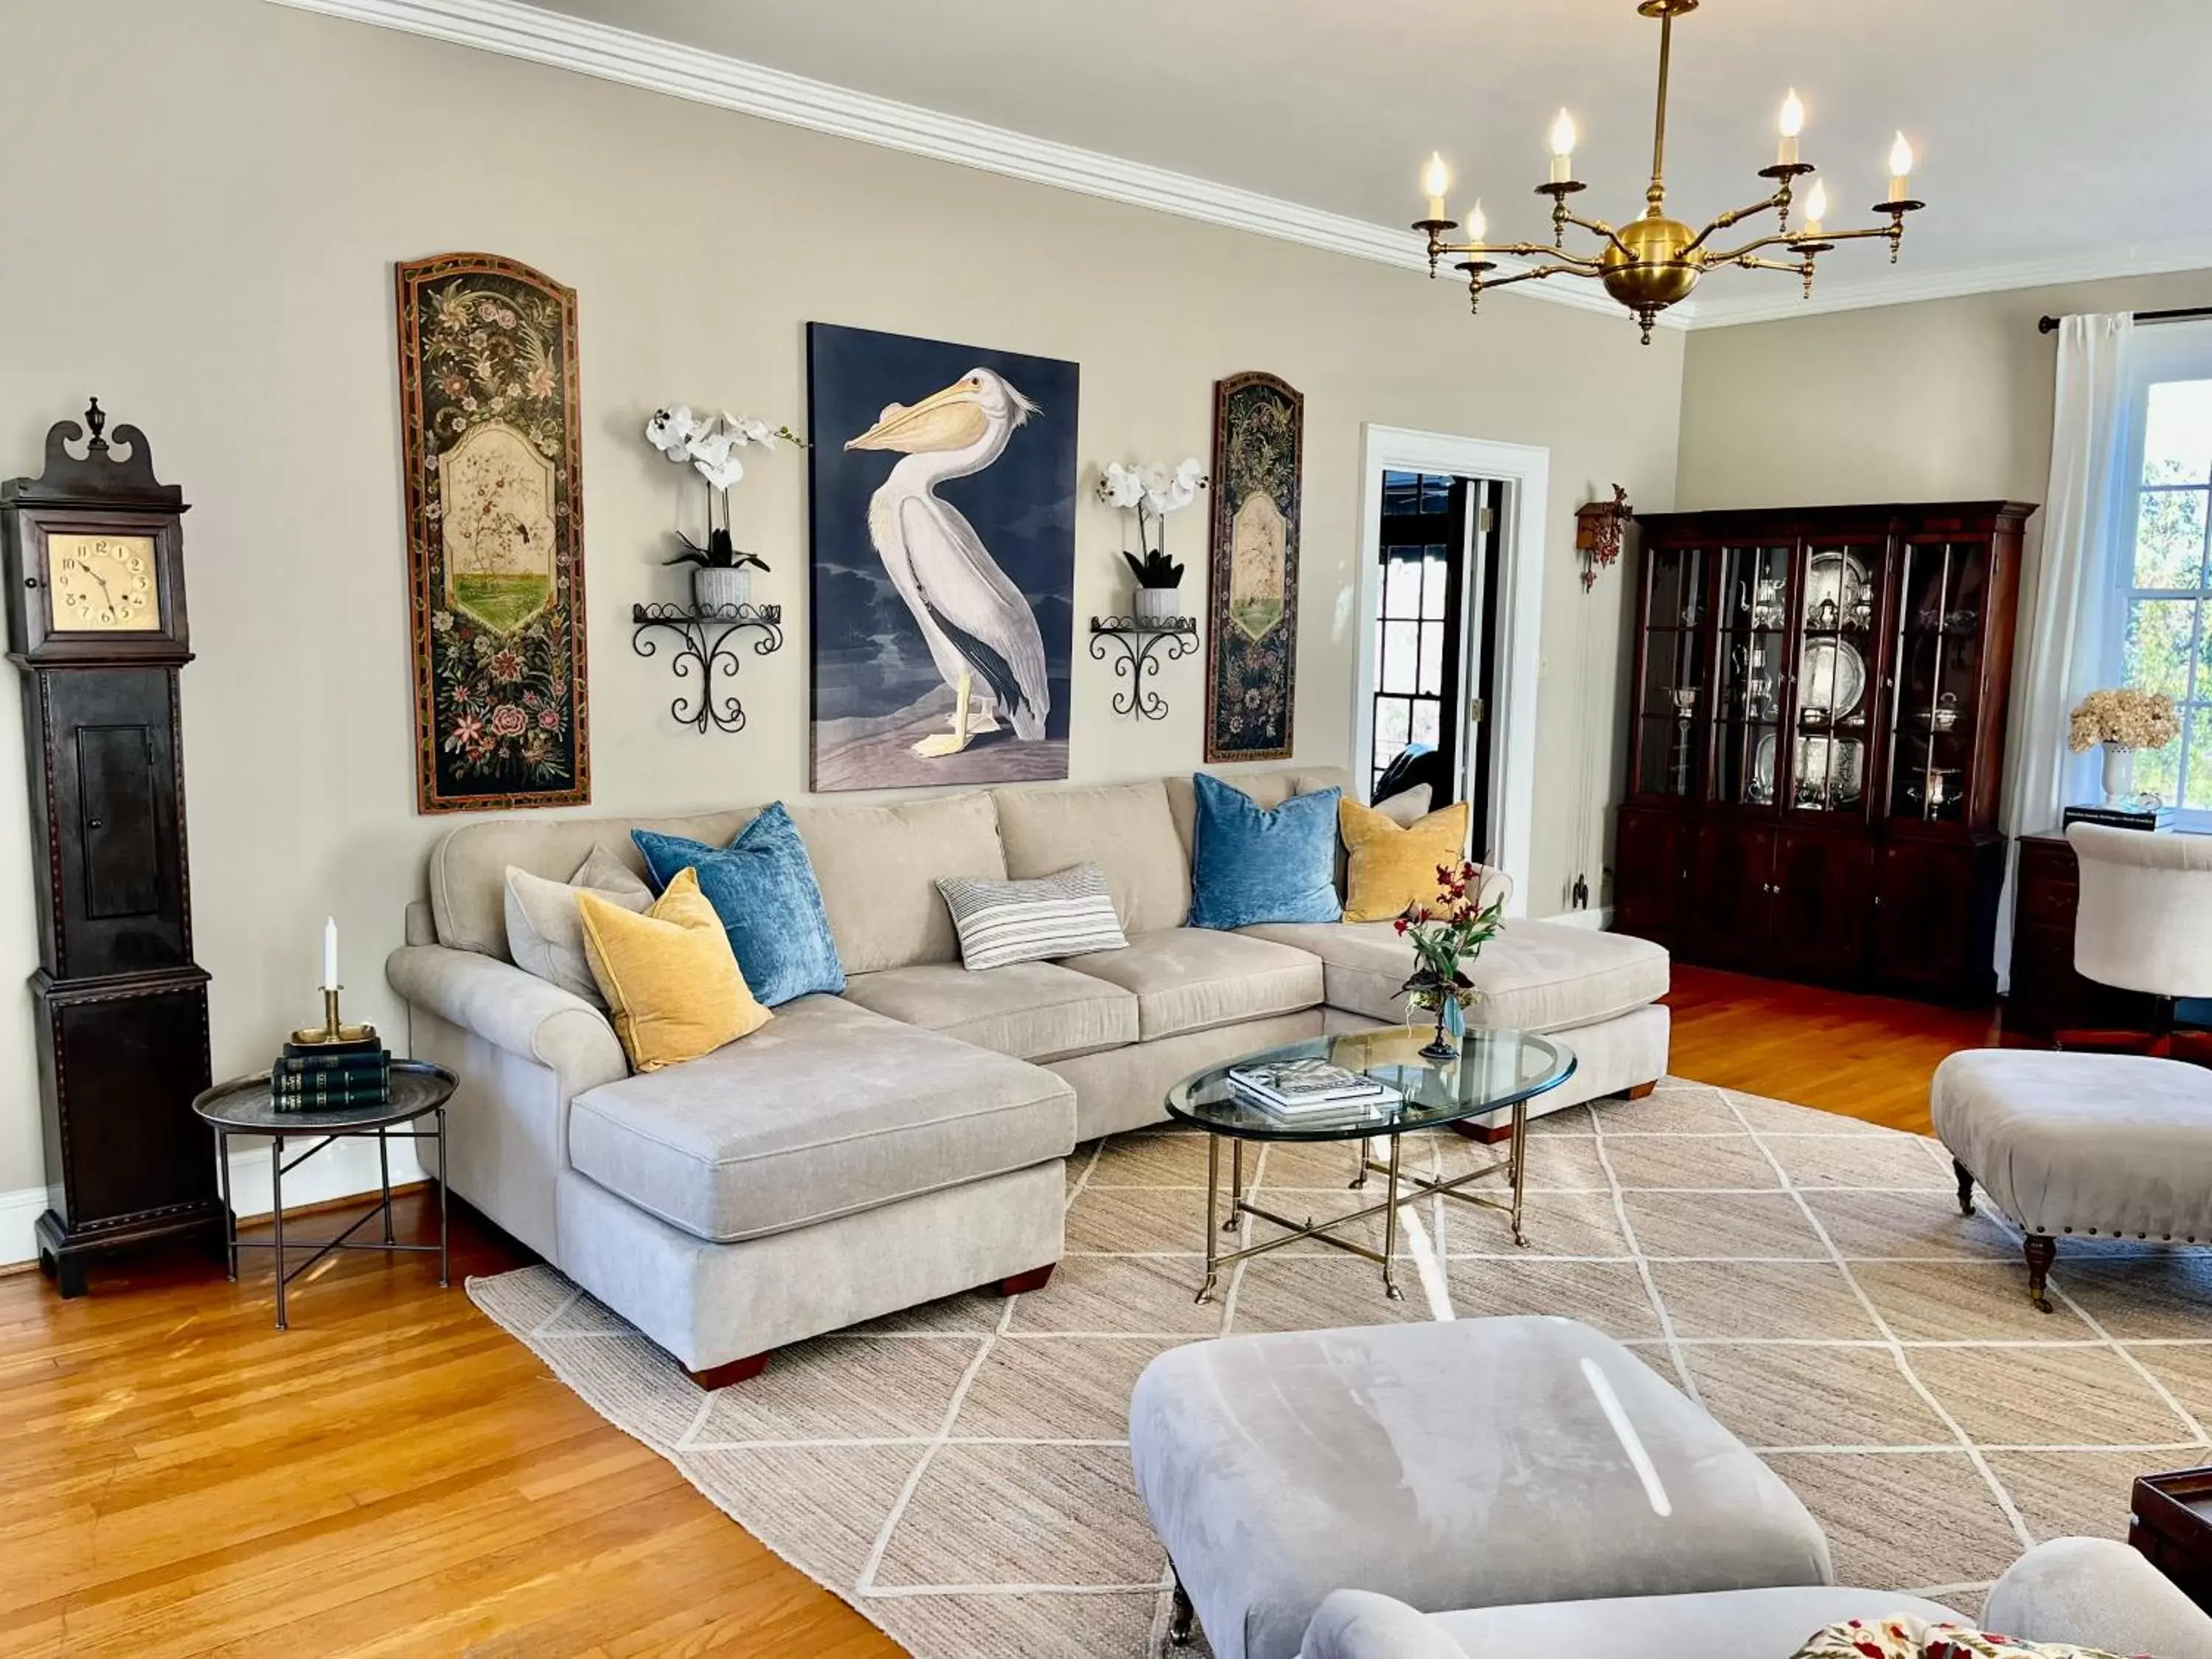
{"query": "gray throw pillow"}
{"type": "Point", "coordinates": [1003, 923]}
{"type": "Point", "coordinates": [545, 936]}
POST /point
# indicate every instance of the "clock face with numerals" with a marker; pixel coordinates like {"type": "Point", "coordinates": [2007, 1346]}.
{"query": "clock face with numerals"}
{"type": "Point", "coordinates": [103, 584]}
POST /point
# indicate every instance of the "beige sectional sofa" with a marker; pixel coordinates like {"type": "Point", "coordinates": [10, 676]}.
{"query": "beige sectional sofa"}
{"type": "Point", "coordinates": [863, 1153]}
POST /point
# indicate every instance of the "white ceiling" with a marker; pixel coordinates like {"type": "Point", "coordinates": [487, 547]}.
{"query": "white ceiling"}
{"type": "Point", "coordinates": [2057, 139]}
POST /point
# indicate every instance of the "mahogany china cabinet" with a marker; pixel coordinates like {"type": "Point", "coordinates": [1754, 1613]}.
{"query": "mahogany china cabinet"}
{"type": "Point", "coordinates": [1816, 739]}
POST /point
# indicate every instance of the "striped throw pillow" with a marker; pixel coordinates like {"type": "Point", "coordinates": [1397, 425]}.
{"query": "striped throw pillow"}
{"type": "Point", "coordinates": [1062, 915]}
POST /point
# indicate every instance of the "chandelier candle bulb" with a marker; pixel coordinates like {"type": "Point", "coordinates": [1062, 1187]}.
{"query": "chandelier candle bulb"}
{"type": "Point", "coordinates": [330, 953]}
{"type": "Point", "coordinates": [1900, 168]}
{"type": "Point", "coordinates": [1563, 149]}
{"type": "Point", "coordinates": [1477, 225]}
{"type": "Point", "coordinates": [1816, 208]}
{"type": "Point", "coordinates": [1792, 123]}
{"type": "Point", "coordinates": [1436, 180]}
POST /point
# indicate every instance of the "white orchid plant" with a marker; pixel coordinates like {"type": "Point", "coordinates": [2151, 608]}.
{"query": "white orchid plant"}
{"type": "Point", "coordinates": [1151, 492]}
{"type": "Point", "coordinates": [710, 445]}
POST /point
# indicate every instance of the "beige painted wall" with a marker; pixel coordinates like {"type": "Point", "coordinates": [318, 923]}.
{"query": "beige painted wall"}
{"type": "Point", "coordinates": [1946, 399]}
{"type": "Point", "coordinates": [212, 256]}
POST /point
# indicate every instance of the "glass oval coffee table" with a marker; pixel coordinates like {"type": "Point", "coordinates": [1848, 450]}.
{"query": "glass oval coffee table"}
{"type": "Point", "coordinates": [1494, 1070]}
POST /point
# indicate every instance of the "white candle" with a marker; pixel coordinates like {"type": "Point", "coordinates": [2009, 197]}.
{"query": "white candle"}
{"type": "Point", "coordinates": [1563, 149]}
{"type": "Point", "coordinates": [1900, 168]}
{"type": "Point", "coordinates": [330, 953]}
{"type": "Point", "coordinates": [1792, 122]}
{"type": "Point", "coordinates": [1436, 179]}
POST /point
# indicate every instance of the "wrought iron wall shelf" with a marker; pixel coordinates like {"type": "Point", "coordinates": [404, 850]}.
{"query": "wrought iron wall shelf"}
{"type": "Point", "coordinates": [706, 636]}
{"type": "Point", "coordinates": [1141, 644]}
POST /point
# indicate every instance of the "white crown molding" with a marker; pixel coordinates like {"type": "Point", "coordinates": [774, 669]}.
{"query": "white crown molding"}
{"type": "Point", "coordinates": [515, 30]}
{"type": "Point", "coordinates": [1905, 288]}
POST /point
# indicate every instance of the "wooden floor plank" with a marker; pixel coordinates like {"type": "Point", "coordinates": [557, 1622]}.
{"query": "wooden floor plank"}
{"type": "Point", "coordinates": [395, 1476]}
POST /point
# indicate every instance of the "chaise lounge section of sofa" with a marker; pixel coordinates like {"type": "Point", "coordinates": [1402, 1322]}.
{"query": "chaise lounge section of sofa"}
{"type": "Point", "coordinates": [906, 1141]}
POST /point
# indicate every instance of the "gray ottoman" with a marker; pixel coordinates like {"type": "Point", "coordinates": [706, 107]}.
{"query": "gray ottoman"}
{"type": "Point", "coordinates": [2117, 1146]}
{"type": "Point", "coordinates": [1477, 1463]}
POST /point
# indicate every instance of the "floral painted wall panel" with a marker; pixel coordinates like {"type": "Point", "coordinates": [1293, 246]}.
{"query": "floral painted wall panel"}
{"type": "Point", "coordinates": [495, 534]}
{"type": "Point", "coordinates": [1252, 648]}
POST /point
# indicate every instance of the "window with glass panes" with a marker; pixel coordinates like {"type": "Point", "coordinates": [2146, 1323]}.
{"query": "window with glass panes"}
{"type": "Point", "coordinates": [1418, 626]}
{"type": "Point", "coordinates": [2167, 587]}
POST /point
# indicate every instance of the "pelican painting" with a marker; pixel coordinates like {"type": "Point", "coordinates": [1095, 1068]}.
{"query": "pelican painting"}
{"type": "Point", "coordinates": [978, 626]}
{"type": "Point", "coordinates": [944, 489]}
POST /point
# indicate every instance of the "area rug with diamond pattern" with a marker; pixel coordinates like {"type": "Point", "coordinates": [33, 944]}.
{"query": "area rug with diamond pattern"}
{"type": "Point", "coordinates": [960, 1473]}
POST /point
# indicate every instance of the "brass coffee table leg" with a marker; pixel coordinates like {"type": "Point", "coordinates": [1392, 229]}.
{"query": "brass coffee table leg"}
{"type": "Point", "coordinates": [1519, 1165]}
{"type": "Point", "coordinates": [1213, 1214]}
{"type": "Point", "coordinates": [1235, 1184]}
{"type": "Point", "coordinates": [1390, 1225]}
{"type": "Point", "coordinates": [1359, 1175]}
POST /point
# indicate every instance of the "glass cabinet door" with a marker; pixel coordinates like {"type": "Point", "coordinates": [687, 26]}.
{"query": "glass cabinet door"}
{"type": "Point", "coordinates": [1940, 625]}
{"type": "Point", "coordinates": [1668, 715]}
{"type": "Point", "coordinates": [1836, 655]}
{"type": "Point", "coordinates": [1751, 635]}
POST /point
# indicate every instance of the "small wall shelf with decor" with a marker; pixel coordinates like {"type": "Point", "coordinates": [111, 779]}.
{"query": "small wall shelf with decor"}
{"type": "Point", "coordinates": [707, 637]}
{"type": "Point", "coordinates": [1816, 734]}
{"type": "Point", "coordinates": [1141, 642]}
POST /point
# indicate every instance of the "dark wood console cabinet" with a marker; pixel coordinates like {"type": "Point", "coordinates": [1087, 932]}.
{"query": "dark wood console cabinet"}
{"type": "Point", "coordinates": [1816, 737]}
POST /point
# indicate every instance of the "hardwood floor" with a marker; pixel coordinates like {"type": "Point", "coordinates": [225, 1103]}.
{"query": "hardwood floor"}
{"type": "Point", "coordinates": [1866, 1057]}
{"type": "Point", "coordinates": [396, 1476]}
{"type": "Point", "coordinates": [392, 1475]}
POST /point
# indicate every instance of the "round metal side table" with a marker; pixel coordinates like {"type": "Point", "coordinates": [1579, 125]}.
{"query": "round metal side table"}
{"type": "Point", "coordinates": [244, 1106]}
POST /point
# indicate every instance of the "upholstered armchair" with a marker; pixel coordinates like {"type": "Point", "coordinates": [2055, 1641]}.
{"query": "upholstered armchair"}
{"type": "Point", "coordinates": [2144, 924]}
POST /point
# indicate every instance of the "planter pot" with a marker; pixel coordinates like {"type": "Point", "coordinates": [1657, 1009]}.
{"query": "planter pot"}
{"type": "Point", "coordinates": [1158, 604]}
{"type": "Point", "coordinates": [2119, 775]}
{"type": "Point", "coordinates": [714, 588]}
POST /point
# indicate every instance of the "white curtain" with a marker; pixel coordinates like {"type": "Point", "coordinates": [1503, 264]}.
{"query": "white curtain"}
{"type": "Point", "coordinates": [2062, 653]}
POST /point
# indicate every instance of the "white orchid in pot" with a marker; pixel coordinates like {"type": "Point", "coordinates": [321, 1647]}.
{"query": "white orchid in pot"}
{"type": "Point", "coordinates": [1151, 493]}
{"type": "Point", "coordinates": [722, 576]}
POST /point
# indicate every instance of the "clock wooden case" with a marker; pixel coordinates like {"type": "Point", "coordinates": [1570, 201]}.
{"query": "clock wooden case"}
{"type": "Point", "coordinates": [92, 552]}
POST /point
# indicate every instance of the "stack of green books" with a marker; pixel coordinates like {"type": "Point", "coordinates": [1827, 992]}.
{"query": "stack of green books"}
{"type": "Point", "coordinates": [308, 1076]}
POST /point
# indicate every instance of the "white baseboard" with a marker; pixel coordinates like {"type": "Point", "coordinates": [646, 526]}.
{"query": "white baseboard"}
{"type": "Point", "coordinates": [19, 1214]}
{"type": "Point", "coordinates": [345, 1168]}
{"type": "Point", "coordinates": [1596, 921]}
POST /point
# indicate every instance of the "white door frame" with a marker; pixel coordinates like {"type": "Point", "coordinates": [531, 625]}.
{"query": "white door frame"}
{"type": "Point", "coordinates": [1510, 729]}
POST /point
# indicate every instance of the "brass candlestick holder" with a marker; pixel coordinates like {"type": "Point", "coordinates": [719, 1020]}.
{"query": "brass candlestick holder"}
{"type": "Point", "coordinates": [332, 1030]}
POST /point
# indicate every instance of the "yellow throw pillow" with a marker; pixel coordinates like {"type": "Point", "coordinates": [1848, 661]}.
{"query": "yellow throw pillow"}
{"type": "Point", "coordinates": [669, 976]}
{"type": "Point", "coordinates": [1388, 865]}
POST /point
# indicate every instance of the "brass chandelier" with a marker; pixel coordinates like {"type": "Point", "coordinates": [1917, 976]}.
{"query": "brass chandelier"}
{"type": "Point", "coordinates": [1653, 262]}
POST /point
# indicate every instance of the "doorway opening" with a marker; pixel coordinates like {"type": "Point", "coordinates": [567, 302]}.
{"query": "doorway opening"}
{"type": "Point", "coordinates": [1431, 690]}
{"type": "Point", "coordinates": [1480, 504]}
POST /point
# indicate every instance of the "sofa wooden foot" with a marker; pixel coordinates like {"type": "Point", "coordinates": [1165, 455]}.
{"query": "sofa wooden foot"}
{"type": "Point", "coordinates": [1640, 1090]}
{"type": "Point", "coordinates": [737, 1370]}
{"type": "Point", "coordinates": [1033, 1280]}
{"type": "Point", "coordinates": [1965, 1186]}
{"type": "Point", "coordinates": [2041, 1250]}
{"type": "Point", "coordinates": [1487, 1135]}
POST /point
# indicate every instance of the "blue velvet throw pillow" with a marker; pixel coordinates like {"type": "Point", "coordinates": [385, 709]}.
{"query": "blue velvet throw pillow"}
{"type": "Point", "coordinates": [762, 887]}
{"type": "Point", "coordinates": [1252, 864]}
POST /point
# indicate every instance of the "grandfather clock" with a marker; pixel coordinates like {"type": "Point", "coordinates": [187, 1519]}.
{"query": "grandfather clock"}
{"type": "Point", "coordinates": [95, 574]}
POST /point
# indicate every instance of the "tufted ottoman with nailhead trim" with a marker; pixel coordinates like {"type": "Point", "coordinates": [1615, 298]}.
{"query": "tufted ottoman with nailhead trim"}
{"type": "Point", "coordinates": [2106, 1146]}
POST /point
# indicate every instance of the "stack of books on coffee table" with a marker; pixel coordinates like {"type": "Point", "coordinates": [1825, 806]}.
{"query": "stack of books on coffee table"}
{"type": "Point", "coordinates": [1309, 1088]}
{"type": "Point", "coordinates": [314, 1076]}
